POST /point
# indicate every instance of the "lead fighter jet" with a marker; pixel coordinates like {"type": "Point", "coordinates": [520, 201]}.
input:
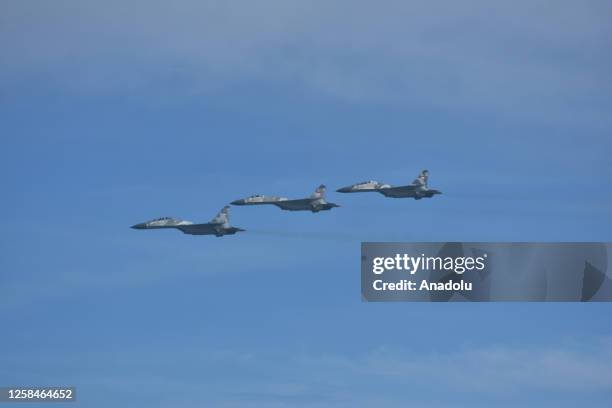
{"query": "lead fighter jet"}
{"type": "Point", "coordinates": [315, 203]}
{"type": "Point", "coordinates": [218, 226]}
{"type": "Point", "coordinates": [417, 190]}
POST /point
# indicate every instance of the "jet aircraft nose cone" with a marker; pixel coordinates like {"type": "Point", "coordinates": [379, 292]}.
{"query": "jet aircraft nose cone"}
{"type": "Point", "coordinates": [237, 202]}
{"type": "Point", "coordinates": [142, 225]}
{"type": "Point", "coordinates": [343, 190]}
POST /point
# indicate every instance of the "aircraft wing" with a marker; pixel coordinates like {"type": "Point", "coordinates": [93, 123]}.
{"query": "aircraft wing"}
{"type": "Point", "coordinates": [399, 191]}
{"type": "Point", "coordinates": [299, 204]}
{"type": "Point", "coordinates": [198, 229]}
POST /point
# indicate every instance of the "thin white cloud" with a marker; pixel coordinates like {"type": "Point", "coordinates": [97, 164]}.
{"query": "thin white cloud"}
{"type": "Point", "coordinates": [392, 376]}
{"type": "Point", "coordinates": [530, 58]}
{"type": "Point", "coordinates": [494, 369]}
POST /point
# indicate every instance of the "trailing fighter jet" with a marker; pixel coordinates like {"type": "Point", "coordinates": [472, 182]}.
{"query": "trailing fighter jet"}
{"type": "Point", "coordinates": [417, 190]}
{"type": "Point", "coordinates": [315, 203]}
{"type": "Point", "coordinates": [218, 226]}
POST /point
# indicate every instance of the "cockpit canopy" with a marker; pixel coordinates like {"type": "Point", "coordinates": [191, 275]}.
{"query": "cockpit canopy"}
{"type": "Point", "coordinates": [369, 185]}
{"type": "Point", "coordinates": [263, 198]}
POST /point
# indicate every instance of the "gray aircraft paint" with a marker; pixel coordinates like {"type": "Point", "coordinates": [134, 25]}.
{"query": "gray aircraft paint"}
{"type": "Point", "coordinates": [417, 190]}
{"type": "Point", "coordinates": [218, 226]}
{"type": "Point", "coordinates": [315, 203]}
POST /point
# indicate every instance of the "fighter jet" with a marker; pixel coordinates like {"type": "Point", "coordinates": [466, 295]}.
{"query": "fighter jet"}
{"type": "Point", "coordinates": [218, 226]}
{"type": "Point", "coordinates": [315, 203]}
{"type": "Point", "coordinates": [417, 190]}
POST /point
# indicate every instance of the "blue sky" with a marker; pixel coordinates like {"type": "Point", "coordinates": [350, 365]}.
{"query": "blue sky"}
{"type": "Point", "coordinates": [113, 113]}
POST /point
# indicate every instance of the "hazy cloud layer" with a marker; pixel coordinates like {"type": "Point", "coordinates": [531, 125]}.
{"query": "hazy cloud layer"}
{"type": "Point", "coordinates": [548, 56]}
{"type": "Point", "coordinates": [503, 374]}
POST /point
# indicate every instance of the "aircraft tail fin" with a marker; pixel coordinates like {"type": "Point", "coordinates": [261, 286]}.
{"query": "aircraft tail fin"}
{"type": "Point", "coordinates": [422, 178]}
{"type": "Point", "coordinates": [222, 217]}
{"type": "Point", "coordinates": [319, 192]}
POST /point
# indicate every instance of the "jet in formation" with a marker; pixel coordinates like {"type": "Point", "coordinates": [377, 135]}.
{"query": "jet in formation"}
{"type": "Point", "coordinates": [417, 190]}
{"type": "Point", "coordinates": [218, 226]}
{"type": "Point", "coordinates": [315, 203]}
